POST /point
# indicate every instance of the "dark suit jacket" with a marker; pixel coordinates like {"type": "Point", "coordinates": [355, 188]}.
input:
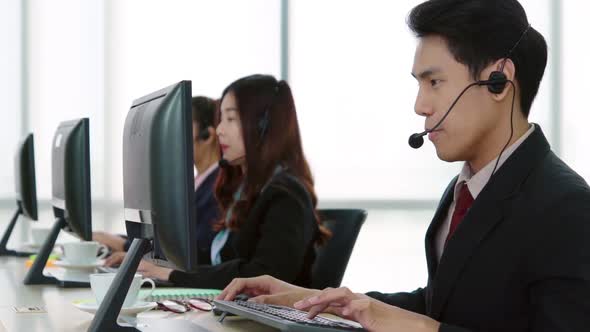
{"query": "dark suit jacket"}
{"type": "Point", "coordinates": [276, 239]}
{"type": "Point", "coordinates": [207, 214]}
{"type": "Point", "coordinates": [520, 259]}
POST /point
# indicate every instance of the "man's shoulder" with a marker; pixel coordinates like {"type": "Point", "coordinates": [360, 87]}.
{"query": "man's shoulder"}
{"type": "Point", "coordinates": [554, 177]}
{"type": "Point", "coordinates": [555, 189]}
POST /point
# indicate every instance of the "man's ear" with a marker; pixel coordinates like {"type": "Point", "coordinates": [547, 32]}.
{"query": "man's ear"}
{"type": "Point", "coordinates": [509, 69]}
{"type": "Point", "coordinates": [212, 135]}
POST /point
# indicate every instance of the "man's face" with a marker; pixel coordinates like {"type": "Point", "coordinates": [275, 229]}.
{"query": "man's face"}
{"type": "Point", "coordinates": [197, 143]}
{"type": "Point", "coordinates": [441, 79]}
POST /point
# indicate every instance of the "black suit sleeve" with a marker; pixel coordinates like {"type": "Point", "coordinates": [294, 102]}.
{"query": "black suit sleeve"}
{"type": "Point", "coordinates": [285, 234]}
{"type": "Point", "coordinates": [560, 292]}
{"type": "Point", "coordinates": [414, 301]}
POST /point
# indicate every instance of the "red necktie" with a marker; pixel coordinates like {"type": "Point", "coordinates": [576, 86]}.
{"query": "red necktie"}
{"type": "Point", "coordinates": [462, 205]}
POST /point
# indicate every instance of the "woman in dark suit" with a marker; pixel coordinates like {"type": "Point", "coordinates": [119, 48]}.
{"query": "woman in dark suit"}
{"type": "Point", "coordinates": [265, 191]}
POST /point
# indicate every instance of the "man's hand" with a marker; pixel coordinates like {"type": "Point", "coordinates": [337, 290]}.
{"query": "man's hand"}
{"type": "Point", "coordinates": [373, 315]}
{"type": "Point", "coordinates": [265, 289]}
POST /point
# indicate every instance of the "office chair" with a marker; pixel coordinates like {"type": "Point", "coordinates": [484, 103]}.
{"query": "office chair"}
{"type": "Point", "coordinates": [332, 258]}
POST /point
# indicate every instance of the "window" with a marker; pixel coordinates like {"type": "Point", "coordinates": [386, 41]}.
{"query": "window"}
{"type": "Point", "coordinates": [350, 71]}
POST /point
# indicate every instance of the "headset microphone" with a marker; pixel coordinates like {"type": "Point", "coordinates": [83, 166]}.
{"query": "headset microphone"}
{"type": "Point", "coordinates": [417, 140]}
{"type": "Point", "coordinates": [496, 83]}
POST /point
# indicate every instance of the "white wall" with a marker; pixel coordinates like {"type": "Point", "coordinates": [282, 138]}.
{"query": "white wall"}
{"type": "Point", "coordinates": [10, 92]}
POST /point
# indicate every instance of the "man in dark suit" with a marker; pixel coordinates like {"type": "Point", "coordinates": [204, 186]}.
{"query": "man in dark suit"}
{"type": "Point", "coordinates": [207, 154]}
{"type": "Point", "coordinates": [206, 157]}
{"type": "Point", "coordinates": [508, 248]}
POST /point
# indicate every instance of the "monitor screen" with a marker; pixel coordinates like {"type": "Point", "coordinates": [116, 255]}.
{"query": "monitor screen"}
{"type": "Point", "coordinates": [158, 174]}
{"type": "Point", "coordinates": [24, 175]}
{"type": "Point", "coordinates": [70, 168]}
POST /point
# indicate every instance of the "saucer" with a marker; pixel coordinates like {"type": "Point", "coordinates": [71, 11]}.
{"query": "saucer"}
{"type": "Point", "coordinates": [90, 306]}
{"type": "Point", "coordinates": [78, 266]}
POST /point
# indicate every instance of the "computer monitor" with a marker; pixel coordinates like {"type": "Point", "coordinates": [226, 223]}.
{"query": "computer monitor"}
{"type": "Point", "coordinates": [26, 191]}
{"type": "Point", "coordinates": [70, 175]}
{"type": "Point", "coordinates": [158, 190]}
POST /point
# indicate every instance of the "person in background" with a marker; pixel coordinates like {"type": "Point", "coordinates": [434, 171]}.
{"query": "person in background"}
{"type": "Point", "coordinates": [265, 190]}
{"type": "Point", "coordinates": [207, 154]}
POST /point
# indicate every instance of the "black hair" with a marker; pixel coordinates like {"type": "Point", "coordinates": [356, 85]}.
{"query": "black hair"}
{"type": "Point", "coordinates": [480, 32]}
{"type": "Point", "coordinates": [204, 110]}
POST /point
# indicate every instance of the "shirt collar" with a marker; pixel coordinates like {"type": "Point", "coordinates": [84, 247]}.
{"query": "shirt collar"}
{"type": "Point", "coordinates": [202, 176]}
{"type": "Point", "coordinates": [476, 182]}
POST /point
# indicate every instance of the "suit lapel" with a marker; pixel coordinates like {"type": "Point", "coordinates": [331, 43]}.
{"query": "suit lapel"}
{"type": "Point", "coordinates": [485, 214]}
{"type": "Point", "coordinates": [491, 207]}
{"type": "Point", "coordinates": [437, 220]}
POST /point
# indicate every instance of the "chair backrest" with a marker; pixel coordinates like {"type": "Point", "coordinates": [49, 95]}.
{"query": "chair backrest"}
{"type": "Point", "coordinates": [332, 258]}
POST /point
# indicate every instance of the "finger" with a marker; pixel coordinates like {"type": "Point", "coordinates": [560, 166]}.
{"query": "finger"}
{"type": "Point", "coordinates": [332, 296]}
{"type": "Point", "coordinates": [234, 289]}
{"type": "Point", "coordinates": [260, 299]}
{"type": "Point", "coordinates": [316, 309]}
{"type": "Point", "coordinates": [277, 299]}
{"type": "Point", "coordinates": [109, 262]}
{"type": "Point", "coordinates": [224, 292]}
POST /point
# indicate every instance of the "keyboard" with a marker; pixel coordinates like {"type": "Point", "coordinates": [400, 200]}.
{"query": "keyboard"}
{"type": "Point", "coordinates": [285, 318]}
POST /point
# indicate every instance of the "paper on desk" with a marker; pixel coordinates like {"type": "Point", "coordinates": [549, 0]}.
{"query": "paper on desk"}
{"type": "Point", "coordinates": [30, 310]}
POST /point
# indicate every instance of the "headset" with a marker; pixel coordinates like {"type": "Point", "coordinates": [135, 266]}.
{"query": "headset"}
{"type": "Point", "coordinates": [496, 83]}
{"type": "Point", "coordinates": [203, 134]}
{"type": "Point", "coordinates": [203, 129]}
{"type": "Point", "coordinates": [262, 127]}
{"type": "Point", "coordinates": [264, 121]}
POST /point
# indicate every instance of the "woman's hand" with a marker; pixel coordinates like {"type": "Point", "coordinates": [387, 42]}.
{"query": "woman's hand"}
{"type": "Point", "coordinates": [114, 242]}
{"type": "Point", "coordinates": [115, 259]}
{"type": "Point", "coordinates": [151, 270]}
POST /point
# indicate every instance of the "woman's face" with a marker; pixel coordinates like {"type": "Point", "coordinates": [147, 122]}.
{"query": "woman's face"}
{"type": "Point", "coordinates": [229, 130]}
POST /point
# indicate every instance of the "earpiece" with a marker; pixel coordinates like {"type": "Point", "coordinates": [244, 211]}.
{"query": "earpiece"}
{"type": "Point", "coordinates": [264, 121]}
{"type": "Point", "coordinates": [203, 134]}
{"type": "Point", "coordinates": [263, 124]}
{"type": "Point", "coordinates": [496, 82]}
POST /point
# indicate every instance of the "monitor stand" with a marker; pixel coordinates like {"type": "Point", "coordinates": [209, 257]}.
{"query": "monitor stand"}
{"type": "Point", "coordinates": [6, 236]}
{"type": "Point", "coordinates": [105, 318]}
{"type": "Point", "coordinates": [35, 274]}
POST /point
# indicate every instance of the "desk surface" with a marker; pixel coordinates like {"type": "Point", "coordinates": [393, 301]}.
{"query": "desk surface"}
{"type": "Point", "coordinates": [63, 316]}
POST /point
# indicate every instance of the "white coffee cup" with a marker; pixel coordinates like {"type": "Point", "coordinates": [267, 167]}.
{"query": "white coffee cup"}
{"type": "Point", "coordinates": [101, 282]}
{"type": "Point", "coordinates": [39, 235]}
{"type": "Point", "coordinates": [83, 252]}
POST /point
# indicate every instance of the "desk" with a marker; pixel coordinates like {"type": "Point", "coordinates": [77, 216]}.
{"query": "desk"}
{"type": "Point", "coordinates": [62, 316]}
